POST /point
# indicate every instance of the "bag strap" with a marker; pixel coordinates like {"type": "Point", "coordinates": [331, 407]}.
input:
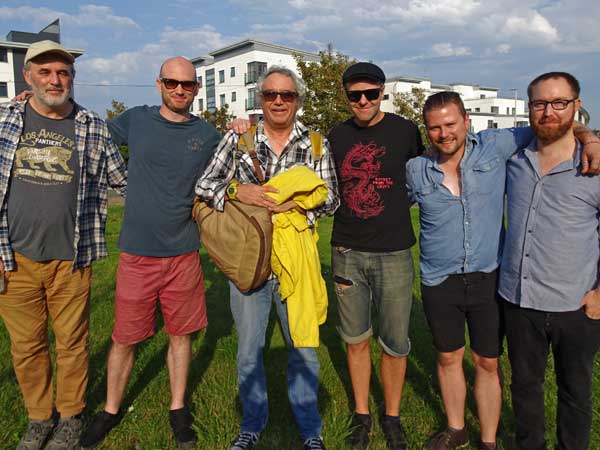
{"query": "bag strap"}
{"type": "Point", "coordinates": [246, 145]}
{"type": "Point", "coordinates": [316, 141]}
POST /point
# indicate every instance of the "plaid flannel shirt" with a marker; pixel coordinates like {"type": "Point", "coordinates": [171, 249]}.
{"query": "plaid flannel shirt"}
{"type": "Point", "coordinates": [229, 163]}
{"type": "Point", "coordinates": [100, 165]}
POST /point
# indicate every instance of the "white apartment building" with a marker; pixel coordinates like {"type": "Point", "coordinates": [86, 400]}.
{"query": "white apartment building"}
{"type": "Point", "coordinates": [229, 75]}
{"type": "Point", "coordinates": [485, 108]}
{"type": "Point", "coordinates": [12, 57]}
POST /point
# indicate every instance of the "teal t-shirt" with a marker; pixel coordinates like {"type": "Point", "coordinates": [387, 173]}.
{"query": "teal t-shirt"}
{"type": "Point", "coordinates": [165, 160]}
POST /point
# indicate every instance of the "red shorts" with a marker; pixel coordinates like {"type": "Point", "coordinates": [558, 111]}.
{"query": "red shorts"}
{"type": "Point", "coordinates": [178, 284]}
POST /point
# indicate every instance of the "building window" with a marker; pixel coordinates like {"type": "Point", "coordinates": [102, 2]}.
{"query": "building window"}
{"type": "Point", "coordinates": [494, 110]}
{"type": "Point", "coordinates": [3, 89]}
{"type": "Point", "coordinates": [199, 80]}
{"type": "Point", "coordinates": [232, 72]}
{"type": "Point", "coordinates": [514, 111]}
{"type": "Point", "coordinates": [255, 70]}
{"type": "Point", "coordinates": [222, 100]}
{"type": "Point", "coordinates": [522, 124]}
{"type": "Point", "coordinates": [233, 97]}
{"type": "Point", "coordinates": [251, 100]}
{"type": "Point", "coordinates": [3, 55]}
{"type": "Point", "coordinates": [507, 110]}
{"type": "Point", "coordinates": [477, 109]}
{"type": "Point", "coordinates": [481, 95]}
{"type": "Point", "coordinates": [468, 109]}
{"type": "Point", "coordinates": [386, 96]}
{"type": "Point", "coordinates": [492, 124]}
{"type": "Point", "coordinates": [221, 76]}
{"type": "Point", "coordinates": [200, 104]}
{"type": "Point", "coordinates": [210, 90]}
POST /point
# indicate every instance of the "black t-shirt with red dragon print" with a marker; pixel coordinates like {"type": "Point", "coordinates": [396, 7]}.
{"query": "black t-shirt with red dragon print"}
{"type": "Point", "coordinates": [371, 163]}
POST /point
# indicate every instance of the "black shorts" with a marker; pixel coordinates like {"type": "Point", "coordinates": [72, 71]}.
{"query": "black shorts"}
{"type": "Point", "coordinates": [469, 298]}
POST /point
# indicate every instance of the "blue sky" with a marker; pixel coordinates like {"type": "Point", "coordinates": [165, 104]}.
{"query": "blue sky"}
{"type": "Point", "coordinates": [491, 43]}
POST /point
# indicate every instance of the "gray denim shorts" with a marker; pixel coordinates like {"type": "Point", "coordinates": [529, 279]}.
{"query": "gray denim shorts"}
{"type": "Point", "coordinates": [383, 280]}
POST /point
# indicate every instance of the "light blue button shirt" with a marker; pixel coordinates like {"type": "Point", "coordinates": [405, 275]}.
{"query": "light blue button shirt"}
{"type": "Point", "coordinates": [552, 248]}
{"type": "Point", "coordinates": [464, 234]}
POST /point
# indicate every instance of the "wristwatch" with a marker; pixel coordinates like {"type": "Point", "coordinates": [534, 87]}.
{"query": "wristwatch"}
{"type": "Point", "coordinates": [232, 190]}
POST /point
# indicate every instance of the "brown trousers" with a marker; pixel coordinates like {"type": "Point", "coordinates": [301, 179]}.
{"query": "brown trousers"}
{"type": "Point", "coordinates": [34, 291]}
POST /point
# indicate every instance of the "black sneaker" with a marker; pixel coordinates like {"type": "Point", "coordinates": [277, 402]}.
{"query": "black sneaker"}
{"type": "Point", "coordinates": [359, 433]}
{"type": "Point", "coordinates": [394, 433]}
{"type": "Point", "coordinates": [36, 435]}
{"type": "Point", "coordinates": [314, 444]}
{"type": "Point", "coordinates": [99, 427]}
{"type": "Point", "coordinates": [181, 422]}
{"type": "Point", "coordinates": [244, 441]}
{"type": "Point", "coordinates": [66, 434]}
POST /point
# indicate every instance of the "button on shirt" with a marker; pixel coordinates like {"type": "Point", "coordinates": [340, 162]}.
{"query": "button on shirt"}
{"type": "Point", "coordinates": [464, 234]}
{"type": "Point", "coordinates": [552, 245]}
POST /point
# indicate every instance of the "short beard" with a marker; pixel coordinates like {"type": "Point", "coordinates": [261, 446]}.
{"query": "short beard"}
{"type": "Point", "coordinates": [51, 101]}
{"type": "Point", "coordinates": [551, 134]}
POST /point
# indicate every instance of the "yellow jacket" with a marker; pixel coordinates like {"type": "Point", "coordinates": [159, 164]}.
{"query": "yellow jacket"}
{"type": "Point", "coordinates": [295, 257]}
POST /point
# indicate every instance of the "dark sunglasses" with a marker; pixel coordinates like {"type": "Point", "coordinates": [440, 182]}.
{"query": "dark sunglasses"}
{"type": "Point", "coordinates": [370, 94]}
{"type": "Point", "coordinates": [286, 96]}
{"type": "Point", "coordinates": [171, 84]}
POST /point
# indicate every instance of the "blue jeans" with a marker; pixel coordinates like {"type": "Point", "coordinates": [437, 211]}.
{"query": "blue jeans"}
{"type": "Point", "coordinates": [251, 316]}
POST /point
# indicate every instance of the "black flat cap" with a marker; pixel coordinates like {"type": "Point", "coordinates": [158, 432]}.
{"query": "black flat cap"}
{"type": "Point", "coordinates": [363, 70]}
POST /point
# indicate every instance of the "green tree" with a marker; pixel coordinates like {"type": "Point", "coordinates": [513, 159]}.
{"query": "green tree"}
{"type": "Point", "coordinates": [325, 103]}
{"type": "Point", "coordinates": [116, 109]}
{"type": "Point", "coordinates": [220, 118]}
{"type": "Point", "coordinates": [410, 106]}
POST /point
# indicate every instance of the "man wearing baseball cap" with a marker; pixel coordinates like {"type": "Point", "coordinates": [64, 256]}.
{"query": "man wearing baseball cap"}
{"type": "Point", "coordinates": [56, 159]}
{"type": "Point", "coordinates": [371, 240]}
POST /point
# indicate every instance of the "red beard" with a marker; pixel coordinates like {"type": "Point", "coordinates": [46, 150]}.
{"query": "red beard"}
{"type": "Point", "coordinates": [551, 130]}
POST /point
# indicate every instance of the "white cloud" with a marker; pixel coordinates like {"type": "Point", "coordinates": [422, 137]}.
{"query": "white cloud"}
{"type": "Point", "coordinates": [532, 27]}
{"type": "Point", "coordinates": [445, 49]}
{"type": "Point", "coordinates": [88, 16]}
{"type": "Point", "coordinates": [503, 49]}
{"type": "Point", "coordinates": [145, 62]}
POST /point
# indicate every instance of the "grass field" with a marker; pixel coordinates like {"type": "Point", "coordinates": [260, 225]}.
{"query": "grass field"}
{"type": "Point", "coordinates": [212, 387]}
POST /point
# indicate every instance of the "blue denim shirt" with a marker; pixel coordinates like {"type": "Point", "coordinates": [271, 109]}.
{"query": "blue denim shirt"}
{"type": "Point", "coordinates": [552, 247]}
{"type": "Point", "coordinates": [464, 234]}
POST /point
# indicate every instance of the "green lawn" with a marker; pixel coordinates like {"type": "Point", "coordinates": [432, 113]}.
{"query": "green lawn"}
{"type": "Point", "coordinates": [213, 387]}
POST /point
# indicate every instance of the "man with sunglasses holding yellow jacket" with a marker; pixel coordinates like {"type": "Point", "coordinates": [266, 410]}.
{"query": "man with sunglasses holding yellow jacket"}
{"type": "Point", "coordinates": [169, 149]}
{"type": "Point", "coordinates": [371, 240]}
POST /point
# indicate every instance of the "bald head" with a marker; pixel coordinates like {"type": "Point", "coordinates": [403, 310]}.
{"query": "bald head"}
{"type": "Point", "coordinates": [179, 64]}
{"type": "Point", "coordinates": [178, 87]}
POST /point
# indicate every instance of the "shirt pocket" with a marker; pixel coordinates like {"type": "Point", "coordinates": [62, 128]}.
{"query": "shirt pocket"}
{"type": "Point", "coordinates": [486, 175]}
{"type": "Point", "coordinates": [430, 198]}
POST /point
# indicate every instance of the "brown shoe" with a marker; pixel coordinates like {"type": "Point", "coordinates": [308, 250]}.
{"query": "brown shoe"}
{"type": "Point", "coordinates": [448, 439]}
{"type": "Point", "coordinates": [486, 445]}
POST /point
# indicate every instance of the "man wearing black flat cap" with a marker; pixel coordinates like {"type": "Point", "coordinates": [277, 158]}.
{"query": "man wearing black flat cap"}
{"type": "Point", "coordinates": [371, 240]}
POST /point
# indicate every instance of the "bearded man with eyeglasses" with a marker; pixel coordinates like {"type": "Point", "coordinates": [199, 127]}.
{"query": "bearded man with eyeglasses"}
{"type": "Point", "coordinates": [169, 148]}
{"type": "Point", "coordinates": [549, 271]}
{"type": "Point", "coordinates": [281, 142]}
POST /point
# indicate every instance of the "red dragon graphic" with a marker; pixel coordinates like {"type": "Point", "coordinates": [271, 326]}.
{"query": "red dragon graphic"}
{"type": "Point", "coordinates": [359, 168]}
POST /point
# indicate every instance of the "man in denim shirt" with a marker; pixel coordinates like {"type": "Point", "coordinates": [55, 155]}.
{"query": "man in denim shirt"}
{"type": "Point", "coordinates": [549, 273]}
{"type": "Point", "coordinates": [460, 192]}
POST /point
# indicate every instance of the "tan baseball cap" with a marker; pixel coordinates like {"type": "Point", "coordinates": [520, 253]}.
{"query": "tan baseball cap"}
{"type": "Point", "coordinates": [41, 47]}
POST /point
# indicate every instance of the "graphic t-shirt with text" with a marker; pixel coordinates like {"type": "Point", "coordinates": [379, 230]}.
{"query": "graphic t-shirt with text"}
{"type": "Point", "coordinates": [371, 167]}
{"type": "Point", "coordinates": [43, 189]}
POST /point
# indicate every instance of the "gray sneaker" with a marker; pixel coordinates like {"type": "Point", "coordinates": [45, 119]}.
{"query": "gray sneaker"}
{"type": "Point", "coordinates": [36, 434]}
{"type": "Point", "coordinates": [66, 434]}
